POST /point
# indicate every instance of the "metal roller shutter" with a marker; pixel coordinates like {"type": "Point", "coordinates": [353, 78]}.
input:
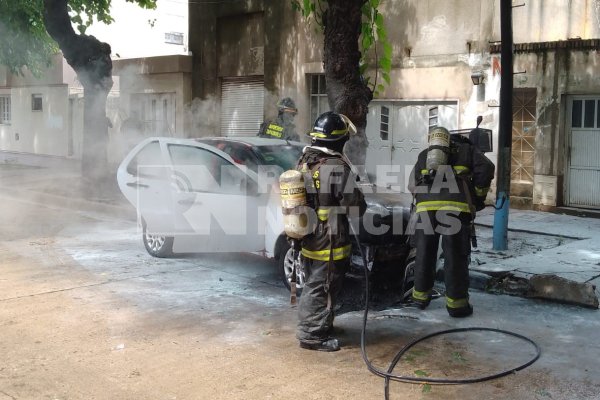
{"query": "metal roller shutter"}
{"type": "Point", "coordinates": [242, 106]}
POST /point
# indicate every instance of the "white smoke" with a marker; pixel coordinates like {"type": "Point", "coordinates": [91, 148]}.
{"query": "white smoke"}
{"type": "Point", "coordinates": [202, 117]}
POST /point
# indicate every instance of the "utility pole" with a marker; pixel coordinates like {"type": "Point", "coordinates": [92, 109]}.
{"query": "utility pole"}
{"type": "Point", "coordinates": [505, 131]}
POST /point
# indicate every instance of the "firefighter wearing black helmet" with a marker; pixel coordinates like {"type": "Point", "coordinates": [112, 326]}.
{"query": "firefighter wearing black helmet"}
{"type": "Point", "coordinates": [283, 126]}
{"type": "Point", "coordinates": [450, 181]}
{"type": "Point", "coordinates": [333, 193]}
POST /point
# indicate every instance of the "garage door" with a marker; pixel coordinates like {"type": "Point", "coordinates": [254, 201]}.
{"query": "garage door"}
{"type": "Point", "coordinates": [584, 162]}
{"type": "Point", "coordinates": [242, 106]}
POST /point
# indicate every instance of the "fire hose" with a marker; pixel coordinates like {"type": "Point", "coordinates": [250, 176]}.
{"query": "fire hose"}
{"type": "Point", "coordinates": [389, 376]}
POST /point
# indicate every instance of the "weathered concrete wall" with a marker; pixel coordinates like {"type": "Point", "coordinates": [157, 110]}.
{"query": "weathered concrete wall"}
{"type": "Point", "coordinates": [160, 83]}
{"type": "Point", "coordinates": [555, 75]}
{"type": "Point", "coordinates": [166, 74]}
{"type": "Point", "coordinates": [212, 46]}
{"type": "Point", "coordinates": [550, 20]}
{"type": "Point", "coordinates": [437, 45]}
{"type": "Point", "coordinates": [241, 45]}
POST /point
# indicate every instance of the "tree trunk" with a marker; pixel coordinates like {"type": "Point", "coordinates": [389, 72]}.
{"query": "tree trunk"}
{"type": "Point", "coordinates": [346, 90]}
{"type": "Point", "coordinates": [90, 58]}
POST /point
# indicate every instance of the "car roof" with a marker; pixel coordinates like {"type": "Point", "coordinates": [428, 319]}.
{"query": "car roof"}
{"type": "Point", "coordinates": [252, 140]}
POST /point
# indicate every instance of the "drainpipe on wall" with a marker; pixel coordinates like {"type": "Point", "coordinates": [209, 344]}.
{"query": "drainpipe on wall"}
{"type": "Point", "coordinates": [500, 239]}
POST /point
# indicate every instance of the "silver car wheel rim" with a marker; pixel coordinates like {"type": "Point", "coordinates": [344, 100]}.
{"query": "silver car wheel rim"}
{"type": "Point", "coordinates": [155, 242]}
{"type": "Point", "coordinates": [288, 265]}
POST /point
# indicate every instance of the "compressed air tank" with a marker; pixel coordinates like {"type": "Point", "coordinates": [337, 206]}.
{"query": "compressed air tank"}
{"type": "Point", "coordinates": [437, 154]}
{"type": "Point", "coordinates": [293, 202]}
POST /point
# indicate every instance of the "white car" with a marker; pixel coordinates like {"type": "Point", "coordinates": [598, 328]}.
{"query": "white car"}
{"type": "Point", "coordinates": [215, 195]}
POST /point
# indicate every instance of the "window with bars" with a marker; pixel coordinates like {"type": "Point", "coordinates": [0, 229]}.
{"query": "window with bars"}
{"type": "Point", "coordinates": [384, 128]}
{"type": "Point", "coordinates": [318, 97]}
{"type": "Point", "coordinates": [5, 111]}
{"type": "Point", "coordinates": [433, 117]}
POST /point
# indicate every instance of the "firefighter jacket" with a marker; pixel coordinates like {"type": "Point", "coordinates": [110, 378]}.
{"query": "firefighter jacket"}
{"type": "Point", "coordinates": [333, 193]}
{"type": "Point", "coordinates": [278, 129]}
{"type": "Point", "coordinates": [468, 169]}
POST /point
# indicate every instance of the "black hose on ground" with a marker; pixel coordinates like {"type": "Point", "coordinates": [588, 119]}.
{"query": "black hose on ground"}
{"type": "Point", "coordinates": [388, 376]}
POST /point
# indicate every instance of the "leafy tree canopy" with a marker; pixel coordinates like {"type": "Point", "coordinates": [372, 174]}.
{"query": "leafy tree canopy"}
{"type": "Point", "coordinates": [24, 41]}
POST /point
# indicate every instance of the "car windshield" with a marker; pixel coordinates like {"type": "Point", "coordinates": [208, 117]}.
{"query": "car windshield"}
{"type": "Point", "coordinates": [285, 157]}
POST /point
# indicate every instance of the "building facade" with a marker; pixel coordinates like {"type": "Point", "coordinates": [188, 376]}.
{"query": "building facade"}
{"type": "Point", "coordinates": [248, 54]}
{"type": "Point", "coordinates": [44, 116]}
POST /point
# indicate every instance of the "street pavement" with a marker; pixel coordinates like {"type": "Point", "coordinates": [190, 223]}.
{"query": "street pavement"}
{"type": "Point", "coordinates": [86, 313]}
{"type": "Point", "coordinates": [540, 244]}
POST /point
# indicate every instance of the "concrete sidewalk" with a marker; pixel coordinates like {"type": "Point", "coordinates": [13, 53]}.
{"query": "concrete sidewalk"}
{"type": "Point", "coordinates": [553, 256]}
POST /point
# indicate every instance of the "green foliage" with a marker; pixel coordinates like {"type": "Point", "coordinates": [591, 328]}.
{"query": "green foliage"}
{"type": "Point", "coordinates": [25, 42]}
{"type": "Point", "coordinates": [373, 38]}
{"type": "Point", "coordinates": [84, 12]}
{"type": "Point", "coordinates": [24, 38]}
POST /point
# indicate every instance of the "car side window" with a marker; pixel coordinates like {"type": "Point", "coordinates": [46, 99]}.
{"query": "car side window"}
{"type": "Point", "coordinates": [199, 170]}
{"type": "Point", "coordinates": [144, 161]}
{"type": "Point", "coordinates": [242, 155]}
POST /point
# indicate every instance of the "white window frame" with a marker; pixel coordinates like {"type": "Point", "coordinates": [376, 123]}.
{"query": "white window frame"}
{"type": "Point", "coordinates": [5, 109]}
{"type": "Point", "coordinates": [318, 100]}
{"type": "Point", "coordinates": [433, 117]}
{"type": "Point", "coordinates": [384, 123]}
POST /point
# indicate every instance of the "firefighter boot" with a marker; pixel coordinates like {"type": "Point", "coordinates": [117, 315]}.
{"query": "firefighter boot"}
{"type": "Point", "coordinates": [321, 345]}
{"type": "Point", "coordinates": [421, 299]}
{"type": "Point", "coordinates": [458, 308]}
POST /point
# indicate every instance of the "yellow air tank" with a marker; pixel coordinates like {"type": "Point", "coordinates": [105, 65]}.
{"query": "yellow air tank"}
{"type": "Point", "coordinates": [293, 202]}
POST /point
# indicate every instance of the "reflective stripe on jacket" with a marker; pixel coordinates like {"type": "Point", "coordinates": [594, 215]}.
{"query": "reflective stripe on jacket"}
{"type": "Point", "coordinates": [447, 191]}
{"type": "Point", "coordinates": [339, 253]}
{"type": "Point", "coordinates": [330, 190]}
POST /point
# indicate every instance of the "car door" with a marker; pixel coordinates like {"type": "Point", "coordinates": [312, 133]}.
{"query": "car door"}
{"type": "Point", "coordinates": [144, 181]}
{"type": "Point", "coordinates": [216, 202]}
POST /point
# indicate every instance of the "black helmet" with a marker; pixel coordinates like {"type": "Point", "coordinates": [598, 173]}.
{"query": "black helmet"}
{"type": "Point", "coordinates": [330, 127]}
{"type": "Point", "coordinates": [287, 104]}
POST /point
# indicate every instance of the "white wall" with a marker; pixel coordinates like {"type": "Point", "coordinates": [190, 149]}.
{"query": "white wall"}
{"type": "Point", "coordinates": [39, 132]}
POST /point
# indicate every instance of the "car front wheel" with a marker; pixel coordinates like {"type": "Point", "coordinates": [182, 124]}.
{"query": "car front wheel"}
{"type": "Point", "coordinates": [157, 245]}
{"type": "Point", "coordinates": [286, 265]}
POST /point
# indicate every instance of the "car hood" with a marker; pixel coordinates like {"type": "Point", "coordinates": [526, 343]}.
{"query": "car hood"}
{"type": "Point", "coordinates": [389, 203]}
{"type": "Point", "coordinates": [389, 209]}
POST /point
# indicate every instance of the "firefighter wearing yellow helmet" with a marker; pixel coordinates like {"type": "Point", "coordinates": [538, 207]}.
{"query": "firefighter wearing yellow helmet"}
{"type": "Point", "coordinates": [332, 193]}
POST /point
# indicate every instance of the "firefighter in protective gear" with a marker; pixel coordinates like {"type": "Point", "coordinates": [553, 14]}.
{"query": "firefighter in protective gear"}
{"type": "Point", "coordinates": [333, 193]}
{"type": "Point", "coordinates": [283, 126]}
{"type": "Point", "coordinates": [446, 200]}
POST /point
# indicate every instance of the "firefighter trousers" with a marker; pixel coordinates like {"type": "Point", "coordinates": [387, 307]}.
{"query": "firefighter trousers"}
{"type": "Point", "coordinates": [315, 317]}
{"type": "Point", "coordinates": [456, 247]}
